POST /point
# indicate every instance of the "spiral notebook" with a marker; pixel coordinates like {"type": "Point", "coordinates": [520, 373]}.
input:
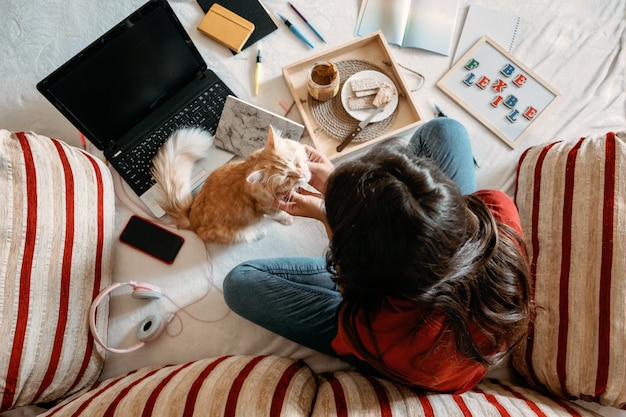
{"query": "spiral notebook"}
{"type": "Point", "coordinates": [480, 21]}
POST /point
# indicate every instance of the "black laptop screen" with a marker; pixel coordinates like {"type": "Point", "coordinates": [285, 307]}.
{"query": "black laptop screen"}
{"type": "Point", "coordinates": [112, 84]}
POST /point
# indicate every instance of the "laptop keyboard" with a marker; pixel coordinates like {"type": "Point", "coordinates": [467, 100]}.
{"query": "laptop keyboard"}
{"type": "Point", "coordinates": [204, 111]}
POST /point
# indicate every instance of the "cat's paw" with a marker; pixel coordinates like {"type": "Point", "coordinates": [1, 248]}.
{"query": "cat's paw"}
{"type": "Point", "coordinates": [283, 218]}
{"type": "Point", "coordinates": [287, 220]}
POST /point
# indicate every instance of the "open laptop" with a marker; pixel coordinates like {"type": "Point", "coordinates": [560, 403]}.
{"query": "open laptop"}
{"type": "Point", "coordinates": [128, 90]}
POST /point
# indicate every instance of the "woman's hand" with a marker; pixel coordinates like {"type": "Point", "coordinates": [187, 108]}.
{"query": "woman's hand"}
{"type": "Point", "coordinates": [320, 167]}
{"type": "Point", "coordinates": [303, 204]}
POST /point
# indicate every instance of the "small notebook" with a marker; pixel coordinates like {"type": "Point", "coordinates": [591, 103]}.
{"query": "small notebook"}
{"type": "Point", "coordinates": [500, 26]}
{"type": "Point", "coordinates": [243, 127]}
{"type": "Point", "coordinates": [251, 10]}
{"type": "Point", "coordinates": [226, 27]}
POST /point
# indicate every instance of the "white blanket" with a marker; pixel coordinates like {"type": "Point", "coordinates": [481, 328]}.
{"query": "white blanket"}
{"type": "Point", "coordinates": [578, 47]}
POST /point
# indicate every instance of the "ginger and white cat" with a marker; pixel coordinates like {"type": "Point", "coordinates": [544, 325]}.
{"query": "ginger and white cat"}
{"type": "Point", "coordinates": [236, 196]}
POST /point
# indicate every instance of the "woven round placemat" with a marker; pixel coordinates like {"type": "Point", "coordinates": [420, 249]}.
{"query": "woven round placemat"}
{"type": "Point", "coordinates": [335, 120]}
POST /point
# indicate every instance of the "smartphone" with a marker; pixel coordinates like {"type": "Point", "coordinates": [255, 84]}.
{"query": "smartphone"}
{"type": "Point", "coordinates": [151, 239]}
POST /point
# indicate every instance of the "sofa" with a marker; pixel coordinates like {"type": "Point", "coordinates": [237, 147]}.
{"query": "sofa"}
{"type": "Point", "coordinates": [57, 228]}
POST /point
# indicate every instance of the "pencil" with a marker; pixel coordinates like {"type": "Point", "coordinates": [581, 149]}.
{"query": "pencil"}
{"type": "Point", "coordinates": [309, 24]}
{"type": "Point", "coordinates": [257, 70]}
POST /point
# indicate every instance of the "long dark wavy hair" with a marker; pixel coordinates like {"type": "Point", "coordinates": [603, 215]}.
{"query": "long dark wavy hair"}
{"type": "Point", "coordinates": [402, 229]}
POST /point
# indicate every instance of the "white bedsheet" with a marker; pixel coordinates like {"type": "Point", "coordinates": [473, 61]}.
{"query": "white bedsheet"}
{"type": "Point", "coordinates": [576, 46]}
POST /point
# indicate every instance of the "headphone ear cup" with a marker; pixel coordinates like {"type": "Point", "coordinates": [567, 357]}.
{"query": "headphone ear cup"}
{"type": "Point", "coordinates": [146, 292]}
{"type": "Point", "coordinates": [150, 328]}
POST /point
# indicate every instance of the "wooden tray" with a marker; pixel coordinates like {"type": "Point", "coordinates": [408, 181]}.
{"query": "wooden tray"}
{"type": "Point", "coordinates": [373, 49]}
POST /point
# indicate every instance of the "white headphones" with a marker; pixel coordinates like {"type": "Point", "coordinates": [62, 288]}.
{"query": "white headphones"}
{"type": "Point", "coordinates": [149, 329]}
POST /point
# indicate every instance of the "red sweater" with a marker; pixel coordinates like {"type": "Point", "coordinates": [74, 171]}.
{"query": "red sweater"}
{"type": "Point", "coordinates": [410, 353]}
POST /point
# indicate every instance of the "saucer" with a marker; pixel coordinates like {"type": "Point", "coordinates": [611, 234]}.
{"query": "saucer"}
{"type": "Point", "coordinates": [362, 114]}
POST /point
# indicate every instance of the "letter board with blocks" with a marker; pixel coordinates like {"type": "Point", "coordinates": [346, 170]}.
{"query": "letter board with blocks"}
{"type": "Point", "coordinates": [498, 90]}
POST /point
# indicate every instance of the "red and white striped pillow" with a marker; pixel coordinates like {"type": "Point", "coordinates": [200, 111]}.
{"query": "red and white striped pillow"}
{"type": "Point", "coordinates": [572, 202]}
{"type": "Point", "coordinates": [56, 232]}
{"type": "Point", "coordinates": [345, 394]}
{"type": "Point", "coordinates": [263, 386]}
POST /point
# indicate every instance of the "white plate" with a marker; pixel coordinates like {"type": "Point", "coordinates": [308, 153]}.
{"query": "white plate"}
{"type": "Point", "coordinates": [361, 115]}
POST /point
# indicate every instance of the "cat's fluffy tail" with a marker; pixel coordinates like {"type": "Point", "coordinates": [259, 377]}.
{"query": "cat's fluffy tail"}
{"type": "Point", "coordinates": [172, 169]}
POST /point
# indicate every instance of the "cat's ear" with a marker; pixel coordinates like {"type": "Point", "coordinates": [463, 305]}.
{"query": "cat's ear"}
{"type": "Point", "coordinates": [255, 177]}
{"type": "Point", "coordinates": [273, 138]}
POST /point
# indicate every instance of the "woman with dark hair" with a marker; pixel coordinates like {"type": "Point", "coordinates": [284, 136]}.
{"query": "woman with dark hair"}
{"type": "Point", "coordinates": [425, 280]}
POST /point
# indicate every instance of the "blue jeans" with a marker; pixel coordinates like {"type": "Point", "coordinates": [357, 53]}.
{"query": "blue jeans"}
{"type": "Point", "coordinates": [296, 297]}
{"type": "Point", "coordinates": [293, 297]}
{"type": "Point", "coordinates": [446, 142]}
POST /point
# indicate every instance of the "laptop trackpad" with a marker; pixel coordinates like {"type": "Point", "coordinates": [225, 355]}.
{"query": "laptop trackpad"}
{"type": "Point", "coordinates": [204, 167]}
{"type": "Point", "coordinates": [149, 198]}
{"type": "Point", "coordinates": [201, 170]}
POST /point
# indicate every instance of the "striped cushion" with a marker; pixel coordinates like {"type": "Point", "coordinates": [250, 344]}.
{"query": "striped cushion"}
{"type": "Point", "coordinates": [56, 232]}
{"type": "Point", "coordinates": [226, 386]}
{"type": "Point", "coordinates": [344, 394]}
{"type": "Point", "coordinates": [572, 202]}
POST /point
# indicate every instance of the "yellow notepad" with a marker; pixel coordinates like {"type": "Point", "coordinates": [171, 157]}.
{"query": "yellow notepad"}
{"type": "Point", "coordinates": [226, 27]}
